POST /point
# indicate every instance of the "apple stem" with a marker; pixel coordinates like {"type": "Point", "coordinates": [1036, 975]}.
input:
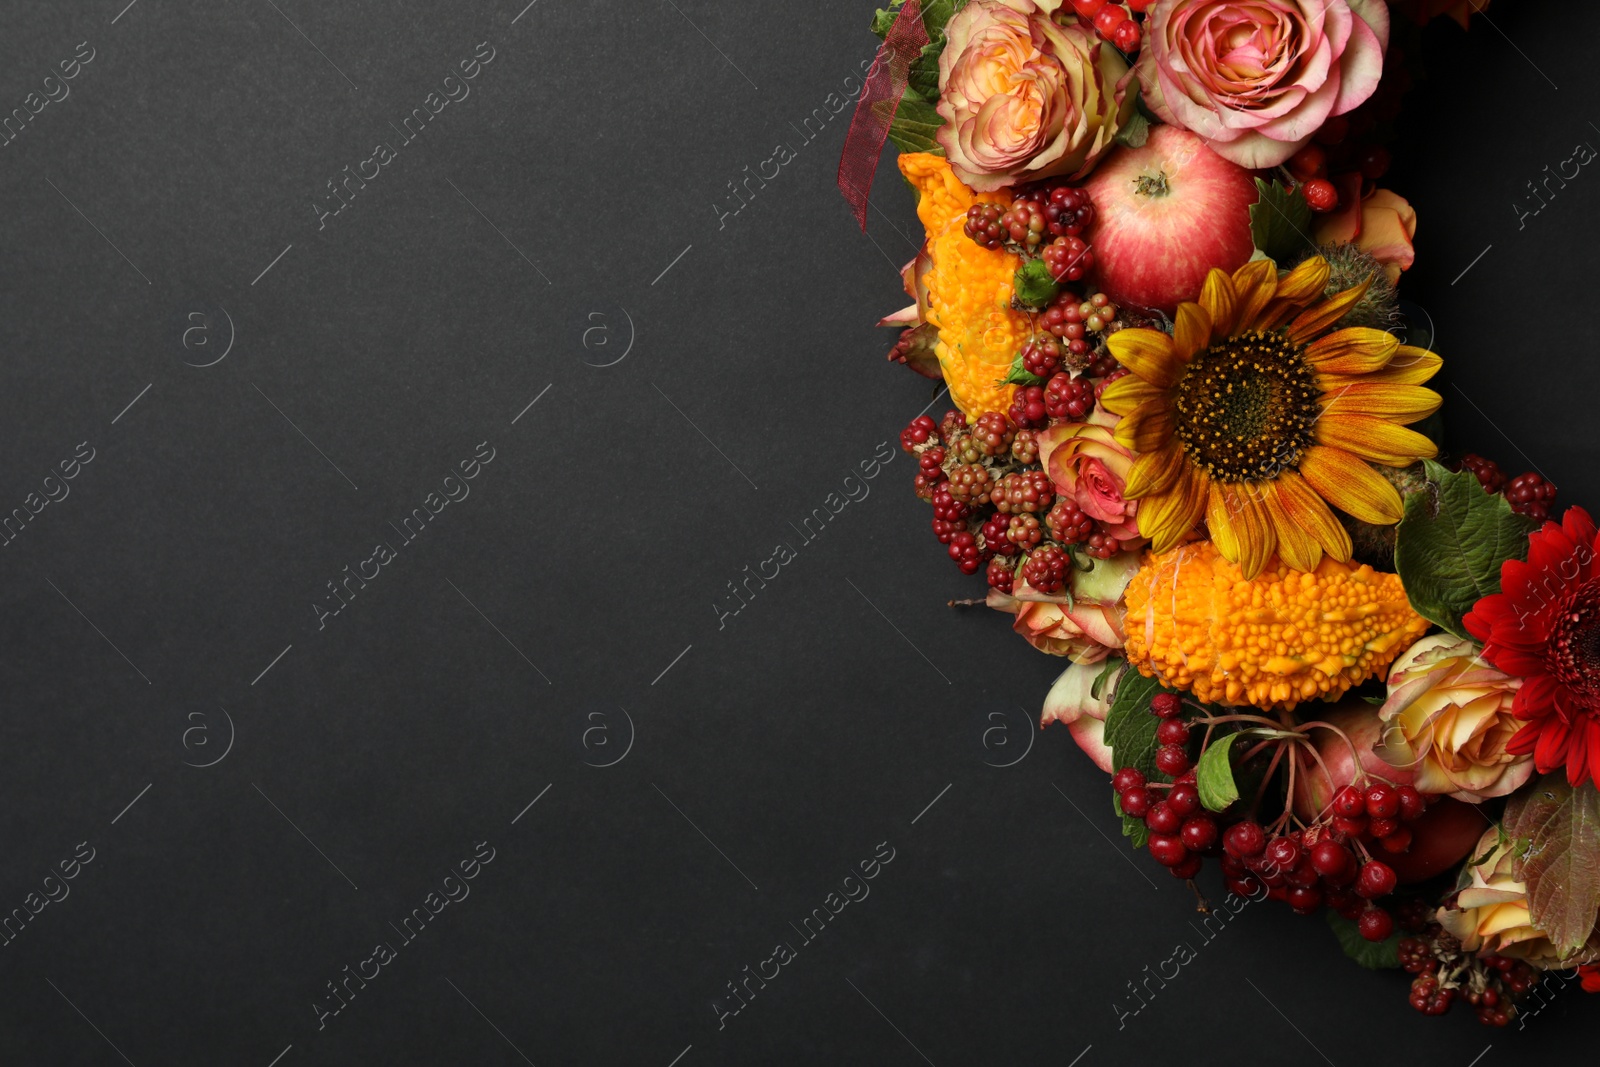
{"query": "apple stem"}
{"type": "Point", "coordinates": [1152, 186]}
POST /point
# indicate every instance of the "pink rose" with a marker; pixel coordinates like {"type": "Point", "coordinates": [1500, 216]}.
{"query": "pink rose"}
{"type": "Point", "coordinates": [1024, 97]}
{"type": "Point", "coordinates": [1256, 78]}
{"type": "Point", "coordinates": [1089, 467]}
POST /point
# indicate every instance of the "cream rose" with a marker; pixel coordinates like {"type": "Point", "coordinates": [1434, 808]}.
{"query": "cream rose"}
{"type": "Point", "coordinates": [1448, 719]}
{"type": "Point", "coordinates": [1491, 914]}
{"type": "Point", "coordinates": [1024, 97]}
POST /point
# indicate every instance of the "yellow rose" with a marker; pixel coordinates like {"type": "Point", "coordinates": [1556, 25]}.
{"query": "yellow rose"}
{"type": "Point", "coordinates": [1448, 719]}
{"type": "Point", "coordinates": [1491, 915]}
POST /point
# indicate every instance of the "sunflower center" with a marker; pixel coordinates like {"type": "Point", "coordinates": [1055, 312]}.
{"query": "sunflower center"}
{"type": "Point", "coordinates": [1246, 407]}
{"type": "Point", "coordinates": [1573, 652]}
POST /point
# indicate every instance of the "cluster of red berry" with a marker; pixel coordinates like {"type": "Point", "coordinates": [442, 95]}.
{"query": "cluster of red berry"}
{"type": "Point", "coordinates": [1114, 22]}
{"type": "Point", "coordinates": [1326, 864]}
{"type": "Point", "coordinates": [1528, 494]}
{"type": "Point", "coordinates": [1446, 973]}
{"type": "Point", "coordinates": [993, 504]}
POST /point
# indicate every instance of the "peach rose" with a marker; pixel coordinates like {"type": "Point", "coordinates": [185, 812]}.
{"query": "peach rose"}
{"type": "Point", "coordinates": [1072, 700]}
{"type": "Point", "coordinates": [1491, 915]}
{"type": "Point", "coordinates": [1256, 78]}
{"type": "Point", "coordinates": [1086, 625]}
{"type": "Point", "coordinates": [1382, 225]}
{"type": "Point", "coordinates": [1448, 719]}
{"type": "Point", "coordinates": [1087, 466]}
{"type": "Point", "coordinates": [1024, 97]}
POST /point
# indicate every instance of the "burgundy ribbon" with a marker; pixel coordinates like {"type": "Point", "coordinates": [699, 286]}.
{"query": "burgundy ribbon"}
{"type": "Point", "coordinates": [880, 99]}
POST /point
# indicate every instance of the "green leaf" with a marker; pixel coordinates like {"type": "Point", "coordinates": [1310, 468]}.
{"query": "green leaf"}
{"type": "Point", "coordinates": [883, 19]}
{"type": "Point", "coordinates": [935, 14]}
{"type": "Point", "coordinates": [915, 123]}
{"type": "Point", "coordinates": [923, 77]}
{"type": "Point", "coordinates": [1033, 284]}
{"type": "Point", "coordinates": [1373, 955]}
{"type": "Point", "coordinates": [1135, 131]}
{"type": "Point", "coordinates": [1562, 862]}
{"type": "Point", "coordinates": [1214, 774]}
{"type": "Point", "coordinates": [1107, 673]}
{"type": "Point", "coordinates": [1280, 221]}
{"type": "Point", "coordinates": [1130, 728]}
{"type": "Point", "coordinates": [1450, 545]}
{"type": "Point", "coordinates": [1131, 827]}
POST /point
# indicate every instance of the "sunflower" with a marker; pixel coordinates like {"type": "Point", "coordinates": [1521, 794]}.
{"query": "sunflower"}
{"type": "Point", "coordinates": [1256, 415]}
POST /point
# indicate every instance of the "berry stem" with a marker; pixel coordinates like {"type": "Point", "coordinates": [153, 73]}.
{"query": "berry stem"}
{"type": "Point", "coordinates": [1201, 904]}
{"type": "Point", "coordinates": [971, 602]}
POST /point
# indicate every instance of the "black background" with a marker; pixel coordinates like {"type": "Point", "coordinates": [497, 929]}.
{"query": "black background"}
{"type": "Point", "coordinates": [818, 722]}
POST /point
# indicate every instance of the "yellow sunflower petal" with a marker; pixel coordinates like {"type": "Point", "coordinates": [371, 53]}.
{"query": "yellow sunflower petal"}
{"type": "Point", "coordinates": [1239, 526]}
{"type": "Point", "coordinates": [1319, 317]}
{"type": "Point", "coordinates": [1373, 438]}
{"type": "Point", "coordinates": [1399, 403]}
{"type": "Point", "coordinates": [1295, 290]}
{"type": "Point", "coordinates": [1127, 393]}
{"type": "Point", "coordinates": [1147, 353]}
{"type": "Point", "coordinates": [1166, 517]}
{"type": "Point", "coordinates": [1256, 282]}
{"type": "Point", "coordinates": [1408, 366]}
{"type": "Point", "coordinates": [1220, 300]}
{"type": "Point", "coordinates": [1296, 545]}
{"type": "Point", "coordinates": [1346, 482]}
{"type": "Point", "coordinates": [1191, 331]}
{"type": "Point", "coordinates": [1153, 472]}
{"type": "Point", "coordinates": [1356, 350]}
{"type": "Point", "coordinates": [1306, 511]}
{"type": "Point", "coordinates": [1149, 427]}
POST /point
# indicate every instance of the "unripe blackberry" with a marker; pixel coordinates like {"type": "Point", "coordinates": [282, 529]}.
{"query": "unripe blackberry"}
{"type": "Point", "coordinates": [970, 483]}
{"type": "Point", "coordinates": [1024, 531]}
{"type": "Point", "coordinates": [1025, 447]}
{"type": "Point", "coordinates": [1487, 471]}
{"type": "Point", "coordinates": [1529, 494]}
{"type": "Point", "coordinates": [983, 225]}
{"type": "Point", "coordinates": [1028, 407]}
{"type": "Point", "coordinates": [994, 534]}
{"type": "Point", "coordinates": [1041, 356]}
{"type": "Point", "coordinates": [993, 433]}
{"type": "Point", "coordinates": [952, 421]}
{"type": "Point", "coordinates": [1066, 397]}
{"type": "Point", "coordinates": [1046, 568]}
{"type": "Point", "coordinates": [1022, 491]}
{"type": "Point", "coordinates": [965, 552]}
{"type": "Point", "coordinates": [1067, 522]}
{"type": "Point", "coordinates": [1000, 574]}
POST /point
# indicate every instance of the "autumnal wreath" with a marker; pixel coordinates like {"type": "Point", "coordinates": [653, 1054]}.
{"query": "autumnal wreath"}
{"type": "Point", "coordinates": [1193, 451]}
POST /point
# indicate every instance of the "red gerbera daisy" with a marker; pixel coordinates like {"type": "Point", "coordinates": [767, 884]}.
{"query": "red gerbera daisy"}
{"type": "Point", "coordinates": [1544, 625]}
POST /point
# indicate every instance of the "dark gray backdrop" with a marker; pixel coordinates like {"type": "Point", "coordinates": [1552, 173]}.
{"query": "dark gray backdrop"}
{"type": "Point", "coordinates": [700, 381]}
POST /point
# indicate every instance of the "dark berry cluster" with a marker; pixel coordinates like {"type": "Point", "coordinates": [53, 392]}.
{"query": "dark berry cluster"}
{"type": "Point", "coordinates": [994, 508]}
{"type": "Point", "coordinates": [1445, 973]}
{"type": "Point", "coordinates": [1528, 494]}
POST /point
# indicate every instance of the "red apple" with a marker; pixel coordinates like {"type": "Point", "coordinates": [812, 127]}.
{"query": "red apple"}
{"type": "Point", "coordinates": [1164, 215]}
{"type": "Point", "coordinates": [1360, 726]}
